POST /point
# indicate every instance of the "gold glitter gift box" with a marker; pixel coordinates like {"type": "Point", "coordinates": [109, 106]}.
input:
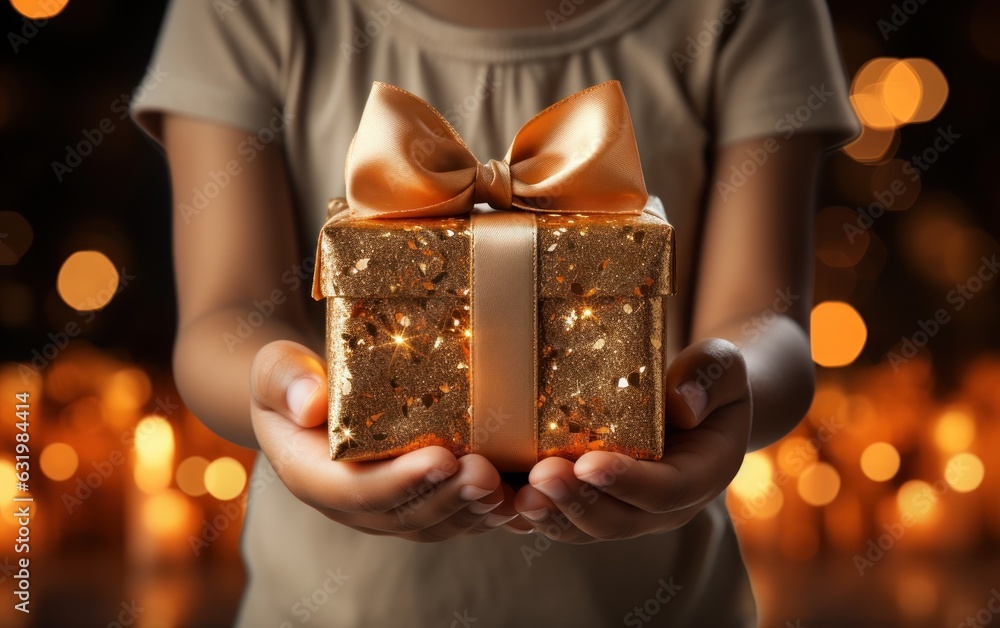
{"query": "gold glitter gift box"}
{"type": "Point", "coordinates": [422, 350]}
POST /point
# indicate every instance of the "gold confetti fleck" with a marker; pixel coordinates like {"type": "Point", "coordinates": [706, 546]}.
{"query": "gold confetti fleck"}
{"type": "Point", "coordinates": [653, 340]}
{"type": "Point", "coordinates": [627, 308]}
{"type": "Point", "coordinates": [599, 344]}
{"type": "Point", "coordinates": [552, 248]}
{"type": "Point", "coordinates": [622, 382]}
{"type": "Point", "coordinates": [444, 388]}
{"type": "Point", "coordinates": [362, 263]}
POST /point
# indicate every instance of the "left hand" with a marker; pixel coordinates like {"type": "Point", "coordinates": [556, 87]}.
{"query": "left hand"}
{"type": "Point", "coordinates": [606, 496]}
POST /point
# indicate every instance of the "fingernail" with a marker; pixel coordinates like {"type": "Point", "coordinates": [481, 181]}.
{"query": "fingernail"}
{"type": "Point", "coordinates": [473, 493]}
{"type": "Point", "coordinates": [481, 508]}
{"type": "Point", "coordinates": [520, 531]}
{"type": "Point", "coordinates": [598, 479]}
{"type": "Point", "coordinates": [300, 391]}
{"type": "Point", "coordinates": [436, 476]}
{"type": "Point", "coordinates": [695, 397]}
{"type": "Point", "coordinates": [536, 515]}
{"type": "Point", "coordinates": [495, 521]}
{"type": "Point", "coordinates": [555, 490]}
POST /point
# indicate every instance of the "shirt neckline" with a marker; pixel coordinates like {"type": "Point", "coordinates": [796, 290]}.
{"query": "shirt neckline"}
{"type": "Point", "coordinates": [605, 21]}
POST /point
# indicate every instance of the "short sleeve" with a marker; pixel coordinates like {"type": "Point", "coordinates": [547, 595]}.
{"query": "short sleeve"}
{"type": "Point", "coordinates": [780, 73]}
{"type": "Point", "coordinates": [221, 61]}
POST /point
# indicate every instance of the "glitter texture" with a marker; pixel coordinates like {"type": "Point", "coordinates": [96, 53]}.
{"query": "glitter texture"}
{"type": "Point", "coordinates": [399, 342]}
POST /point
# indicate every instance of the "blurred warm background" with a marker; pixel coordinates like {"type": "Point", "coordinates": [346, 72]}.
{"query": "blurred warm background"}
{"type": "Point", "coordinates": [882, 508]}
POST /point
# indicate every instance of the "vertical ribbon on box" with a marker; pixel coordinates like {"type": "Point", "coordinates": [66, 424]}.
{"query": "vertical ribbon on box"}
{"type": "Point", "coordinates": [577, 156]}
{"type": "Point", "coordinates": [505, 338]}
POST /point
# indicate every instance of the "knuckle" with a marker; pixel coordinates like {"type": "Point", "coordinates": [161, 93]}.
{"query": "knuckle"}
{"type": "Point", "coordinates": [668, 500]}
{"type": "Point", "coordinates": [620, 529]}
{"type": "Point", "coordinates": [362, 501]}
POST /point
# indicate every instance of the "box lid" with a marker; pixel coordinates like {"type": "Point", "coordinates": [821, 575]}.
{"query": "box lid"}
{"type": "Point", "coordinates": [578, 255]}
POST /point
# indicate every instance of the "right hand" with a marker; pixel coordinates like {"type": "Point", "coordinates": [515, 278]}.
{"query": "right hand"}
{"type": "Point", "coordinates": [425, 495]}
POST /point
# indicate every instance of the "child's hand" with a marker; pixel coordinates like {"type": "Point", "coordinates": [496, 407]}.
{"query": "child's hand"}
{"type": "Point", "coordinates": [607, 496]}
{"type": "Point", "coordinates": [425, 495]}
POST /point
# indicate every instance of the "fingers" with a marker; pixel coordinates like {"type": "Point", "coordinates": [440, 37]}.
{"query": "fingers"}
{"type": "Point", "coordinates": [696, 466]}
{"type": "Point", "coordinates": [566, 509]}
{"type": "Point", "coordinates": [289, 379]}
{"type": "Point", "coordinates": [444, 509]}
{"type": "Point", "coordinates": [705, 376]}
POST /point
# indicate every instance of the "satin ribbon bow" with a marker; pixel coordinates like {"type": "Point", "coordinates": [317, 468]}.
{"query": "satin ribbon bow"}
{"type": "Point", "coordinates": [579, 156]}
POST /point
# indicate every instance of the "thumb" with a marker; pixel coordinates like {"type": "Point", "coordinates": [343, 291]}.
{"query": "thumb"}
{"type": "Point", "coordinates": [289, 379]}
{"type": "Point", "coordinates": [705, 376]}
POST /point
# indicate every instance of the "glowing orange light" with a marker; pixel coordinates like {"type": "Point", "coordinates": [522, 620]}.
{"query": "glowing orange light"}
{"type": "Point", "coordinates": [59, 461]}
{"type": "Point", "coordinates": [819, 484]}
{"type": "Point", "coordinates": [166, 513]}
{"type": "Point", "coordinates": [880, 461]}
{"type": "Point", "coordinates": [838, 334]}
{"type": "Point", "coordinates": [872, 145]}
{"type": "Point", "coordinates": [954, 431]}
{"type": "Point", "coordinates": [902, 91]}
{"type": "Point", "coordinates": [917, 499]}
{"type": "Point", "coordinates": [39, 9]}
{"type": "Point", "coordinates": [87, 280]}
{"type": "Point", "coordinates": [964, 472]}
{"type": "Point", "coordinates": [225, 478]}
{"type": "Point", "coordinates": [796, 454]}
{"type": "Point", "coordinates": [154, 448]}
{"type": "Point", "coordinates": [191, 476]}
{"type": "Point", "coordinates": [934, 89]}
{"type": "Point", "coordinates": [754, 476]}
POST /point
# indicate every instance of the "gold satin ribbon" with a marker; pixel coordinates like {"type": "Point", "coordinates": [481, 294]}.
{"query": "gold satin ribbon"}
{"type": "Point", "coordinates": [577, 156]}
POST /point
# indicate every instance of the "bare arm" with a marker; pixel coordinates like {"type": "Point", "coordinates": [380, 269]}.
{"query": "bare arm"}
{"type": "Point", "coordinates": [267, 387]}
{"type": "Point", "coordinates": [755, 278]}
{"type": "Point", "coordinates": [751, 312]}
{"type": "Point", "coordinates": [227, 255]}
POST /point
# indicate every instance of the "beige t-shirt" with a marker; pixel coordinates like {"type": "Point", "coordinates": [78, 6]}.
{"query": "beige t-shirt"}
{"type": "Point", "coordinates": [696, 74]}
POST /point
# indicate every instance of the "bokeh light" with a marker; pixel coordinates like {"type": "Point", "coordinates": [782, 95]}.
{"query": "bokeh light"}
{"type": "Point", "coordinates": [934, 89]}
{"type": "Point", "coordinates": [838, 334]}
{"type": "Point", "coordinates": [39, 9]}
{"type": "Point", "coordinates": [191, 476]}
{"type": "Point", "coordinates": [901, 91]}
{"type": "Point", "coordinates": [954, 431]}
{"type": "Point", "coordinates": [154, 448]}
{"type": "Point", "coordinates": [225, 478]}
{"type": "Point", "coordinates": [917, 499]}
{"type": "Point", "coordinates": [880, 461]}
{"type": "Point", "coordinates": [964, 472]}
{"type": "Point", "coordinates": [17, 237]}
{"type": "Point", "coordinates": [795, 454]}
{"type": "Point", "coordinates": [166, 513]}
{"type": "Point", "coordinates": [819, 484]}
{"type": "Point", "coordinates": [59, 461]}
{"type": "Point", "coordinates": [872, 145]}
{"type": "Point", "coordinates": [835, 245]}
{"type": "Point", "coordinates": [87, 280]}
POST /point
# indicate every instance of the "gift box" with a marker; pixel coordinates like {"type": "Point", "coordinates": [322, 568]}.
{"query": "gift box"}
{"type": "Point", "coordinates": [514, 309]}
{"type": "Point", "coordinates": [410, 344]}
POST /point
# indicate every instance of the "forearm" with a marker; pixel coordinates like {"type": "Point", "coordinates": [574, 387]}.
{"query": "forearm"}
{"type": "Point", "coordinates": [780, 370]}
{"type": "Point", "coordinates": [212, 367]}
